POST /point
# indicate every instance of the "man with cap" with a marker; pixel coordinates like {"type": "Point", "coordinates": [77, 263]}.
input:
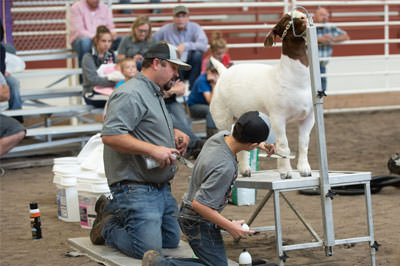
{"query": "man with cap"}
{"type": "Point", "coordinates": [214, 174]}
{"type": "Point", "coordinates": [138, 130]}
{"type": "Point", "coordinates": [189, 38]}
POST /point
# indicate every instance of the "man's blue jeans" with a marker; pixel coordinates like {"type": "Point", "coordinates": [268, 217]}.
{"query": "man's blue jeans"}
{"type": "Point", "coordinates": [142, 219]}
{"type": "Point", "coordinates": [181, 121]}
{"type": "Point", "coordinates": [15, 101]}
{"type": "Point", "coordinates": [205, 240]}
{"type": "Point", "coordinates": [202, 111]}
{"type": "Point", "coordinates": [194, 59]}
{"type": "Point", "coordinates": [82, 46]}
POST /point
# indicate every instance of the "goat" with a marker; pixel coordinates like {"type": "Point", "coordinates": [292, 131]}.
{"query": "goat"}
{"type": "Point", "coordinates": [282, 91]}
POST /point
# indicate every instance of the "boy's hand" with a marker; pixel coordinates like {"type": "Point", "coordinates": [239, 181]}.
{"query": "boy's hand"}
{"type": "Point", "coordinates": [237, 231]}
{"type": "Point", "coordinates": [267, 147]}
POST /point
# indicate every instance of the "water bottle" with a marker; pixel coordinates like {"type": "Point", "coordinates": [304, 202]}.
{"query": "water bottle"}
{"type": "Point", "coordinates": [150, 163]}
{"type": "Point", "coordinates": [35, 220]}
{"type": "Point", "coordinates": [245, 258]}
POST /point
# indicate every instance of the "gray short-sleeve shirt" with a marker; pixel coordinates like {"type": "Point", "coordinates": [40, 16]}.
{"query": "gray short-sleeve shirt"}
{"type": "Point", "coordinates": [137, 108]}
{"type": "Point", "coordinates": [131, 48]}
{"type": "Point", "coordinates": [214, 174]}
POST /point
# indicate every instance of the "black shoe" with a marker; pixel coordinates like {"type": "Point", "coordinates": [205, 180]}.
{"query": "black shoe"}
{"type": "Point", "coordinates": [101, 219]}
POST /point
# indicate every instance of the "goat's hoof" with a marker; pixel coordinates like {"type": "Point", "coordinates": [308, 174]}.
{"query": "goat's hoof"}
{"type": "Point", "coordinates": [246, 173]}
{"type": "Point", "coordinates": [305, 174]}
{"type": "Point", "coordinates": [285, 176]}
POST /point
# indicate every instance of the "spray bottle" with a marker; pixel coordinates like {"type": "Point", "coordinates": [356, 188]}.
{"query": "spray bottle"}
{"type": "Point", "coordinates": [245, 258]}
{"type": "Point", "coordinates": [35, 220]}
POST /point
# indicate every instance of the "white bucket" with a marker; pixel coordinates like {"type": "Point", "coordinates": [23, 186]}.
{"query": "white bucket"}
{"type": "Point", "coordinates": [67, 197]}
{"type": "Point", "coordinates": [89, 190]}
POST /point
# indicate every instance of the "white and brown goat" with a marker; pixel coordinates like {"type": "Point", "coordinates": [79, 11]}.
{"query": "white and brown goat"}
{"type": "Point", "coordinates": [282, 91]}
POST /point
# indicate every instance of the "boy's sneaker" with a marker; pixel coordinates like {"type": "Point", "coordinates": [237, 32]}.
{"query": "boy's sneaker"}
{"type": "Point", "coordinates": [150, 258]}
{"type": "Point", "coordinates": [101, 219]}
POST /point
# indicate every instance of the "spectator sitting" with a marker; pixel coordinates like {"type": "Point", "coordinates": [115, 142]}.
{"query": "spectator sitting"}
{"type": "Point", "coordinates": [14, 99]}
{"type": "Point", "coordinates": [11, 131]}
{"type": "Point", "coordinates": [218, 50]}
{"type": "Point", "coordinates": [91, 62]}
{"type": "Point", "coordinates": [86, 16]}
{"type": "Point", "coordinates": [138, 42]}
{"type": "Point", "coordinates": [189, 38]}
{"type": "Point", "coordinates": [128, 69]}
{"type": "Point", "coordinates": [328, 35]}
{"type": "Point", "coordinates": [200, 97]}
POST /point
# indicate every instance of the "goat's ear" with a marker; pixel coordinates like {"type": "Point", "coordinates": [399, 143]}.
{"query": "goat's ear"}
{"type": "Point", "coordinates": [269, 40]}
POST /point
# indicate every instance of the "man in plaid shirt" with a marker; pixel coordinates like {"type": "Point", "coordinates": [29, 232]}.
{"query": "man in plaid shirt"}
{"type": "Point", "coordinates": [328, 35]}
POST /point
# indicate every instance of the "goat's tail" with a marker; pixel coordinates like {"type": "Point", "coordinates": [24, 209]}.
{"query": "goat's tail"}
{"type": "Point", "coordinates": [218, 65]}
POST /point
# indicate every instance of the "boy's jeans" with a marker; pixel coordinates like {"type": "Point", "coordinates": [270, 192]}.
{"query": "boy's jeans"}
{"type": "Point", "coordinates": [205, 240]}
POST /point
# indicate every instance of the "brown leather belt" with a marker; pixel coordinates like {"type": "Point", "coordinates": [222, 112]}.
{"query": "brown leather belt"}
{"type": "Point", "coordinates": [128, 182]}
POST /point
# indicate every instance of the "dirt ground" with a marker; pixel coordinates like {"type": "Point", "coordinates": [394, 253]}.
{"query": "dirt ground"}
{"type": "Point", "coordinates": [355, 142]}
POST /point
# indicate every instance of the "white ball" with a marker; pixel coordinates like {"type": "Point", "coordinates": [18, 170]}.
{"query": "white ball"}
{"type": "Point", "coordinates": [245, 226]}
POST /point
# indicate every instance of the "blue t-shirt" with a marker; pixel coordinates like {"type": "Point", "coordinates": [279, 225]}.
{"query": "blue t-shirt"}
{"type": "Point", "coordinates": [200, 85]}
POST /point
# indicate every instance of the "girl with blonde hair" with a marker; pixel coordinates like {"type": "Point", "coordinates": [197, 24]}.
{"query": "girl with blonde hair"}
{"type": "Point", "coordinates": [218, 50]}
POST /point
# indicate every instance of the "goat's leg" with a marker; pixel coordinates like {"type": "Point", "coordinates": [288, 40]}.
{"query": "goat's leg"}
{"type": "Point", "coordinates": [282, 146]}
{"type": "Point", "coordinates": [244, 165]}
{"type": "Point", "coordinates": [305, 128]}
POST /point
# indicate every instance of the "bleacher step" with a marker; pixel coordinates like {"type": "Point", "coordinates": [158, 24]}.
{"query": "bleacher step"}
{"type": "Point", "coordinates": [50, 93]}
{"type": "Point", "coordinates": [53, 110]}
{"type": "Point", "coordinates": [64, 130]}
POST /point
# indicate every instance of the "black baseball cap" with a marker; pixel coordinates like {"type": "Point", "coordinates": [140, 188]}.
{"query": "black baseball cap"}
{"type": "Point", "coordinates": [166, 51]}
{"type": "Point", "coordinates": [253, 127]}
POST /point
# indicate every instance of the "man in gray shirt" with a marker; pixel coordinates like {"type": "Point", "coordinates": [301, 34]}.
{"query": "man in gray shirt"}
{"type": "Point", "coordinates": [214, 174]}
{"type": "Point", "coordinates": [137, 130]}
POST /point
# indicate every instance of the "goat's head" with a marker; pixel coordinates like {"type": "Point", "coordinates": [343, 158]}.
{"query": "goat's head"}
{"type": "Point", "coordinates": [293, 45]}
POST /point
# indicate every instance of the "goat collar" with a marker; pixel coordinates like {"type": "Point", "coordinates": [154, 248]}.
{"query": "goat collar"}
{"type": "Point", "coordinates": [294, 33]}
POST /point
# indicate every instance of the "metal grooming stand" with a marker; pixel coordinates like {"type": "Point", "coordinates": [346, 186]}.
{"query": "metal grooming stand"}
{"type": "Point", "coordinates": [321, 179]}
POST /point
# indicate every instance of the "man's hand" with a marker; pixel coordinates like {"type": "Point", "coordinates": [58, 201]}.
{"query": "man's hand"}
{"type": "Point", "coordinates": [4, 93]}
{"type": "Point", "coordinates": [181, 48]}
{"type": "Point", "coordinates": [114, 35]}
{"type": "Point", "coordinates": [164, 156]}
{"type": "Point", "coordinates": [178, 88]}
{"type": "Point", "coordinates": [181, 141]}
{"type": "Point", "coordinates": [326, 39]}
{"type": "Point", "coordinates": [138, 58]}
